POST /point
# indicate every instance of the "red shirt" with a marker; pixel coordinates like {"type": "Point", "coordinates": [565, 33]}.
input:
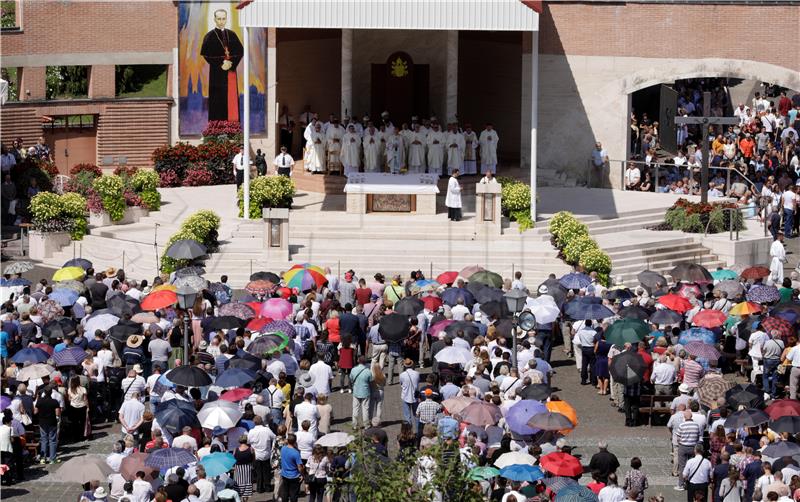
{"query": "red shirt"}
{"type": "Point", "coordinates": [363, 295]}
{"type": "Point", "coordinates": [346, 356]}
{"type": "Point", "coordinates": [332, 325]}
{"type": "Point", "coordinates": [784, 105]}
{"type": "Point", "coordinates": [595, 486]}
{"type": "Point", "coordinates": [648, 360]}
{"type": "Point", "coordinates": [747, 146]}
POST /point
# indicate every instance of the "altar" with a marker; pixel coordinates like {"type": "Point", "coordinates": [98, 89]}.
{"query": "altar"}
{"type": "Point", "coordinates": [391, 193]}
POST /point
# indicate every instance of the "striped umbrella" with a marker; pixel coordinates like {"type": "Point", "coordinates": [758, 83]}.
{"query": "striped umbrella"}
{"type": "Point", "coordinates": [709, 318]}
{"type": "Point", "coordinates": [782, 326]}
{"type": "Point", "coordinates": [259, 287]}
{"type": "Point", "coordinates": [576, 493]}
{"type": "Point", "coordinates": [575, 281]}
{"type": "Point", "coordinates": [763, 294]}
{"type": "Point", "coordinates": [701, 349]}
{"type": "Point", "coordinates": [712, 388]}
{"type": "Point", "coordinates": [304, 277]}
{"type": "Point", "coordinates": [72, 356]}
{"type": "Point", "coordinates": [745, 308]}
{"type": "Point", "coordinates": [170, 457]}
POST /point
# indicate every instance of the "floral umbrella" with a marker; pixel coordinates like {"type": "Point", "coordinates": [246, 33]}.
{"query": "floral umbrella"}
{"type": "Point", "coordinates": [18, 267]}
{"type": "Point", "coordinates": [763, 294]}
{"type": "Point", "coordinates": [240, 310]}
{"type": "Point", "coordinates": [304, 277]}
{"type": "Point", "coordinates": [688, 290]}
{"type": "Point", "coordinates": [259, 287]}
{"type": "Point", "coordinates": [193, 282]}
{"type": "Point", "coordinates": [283, 326]}
{"type": "Point", "coordinates": [704, 350]}
{"type": "Point", "coordinates": [49, 310]}
{"type": "Point", "coordinates": [76, 286]}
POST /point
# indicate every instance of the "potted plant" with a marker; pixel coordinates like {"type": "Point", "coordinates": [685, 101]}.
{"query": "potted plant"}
{"type": "Point", "coordinates": [110, 204]}
{"type": "Point", "coordinates": [57, 220]}
{"type": "Point", "coordinates": [271, 192]}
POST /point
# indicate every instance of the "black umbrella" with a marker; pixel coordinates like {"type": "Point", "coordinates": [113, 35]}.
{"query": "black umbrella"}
{"type": "Point", "coordinates": [666, 316]}
{"type": "Point", "coordinates": [781, 449]}
{"type": "Point", "coordinates": [574, 306]}
{"type": "Point", "coordinates": [554, 289]}
{"type": "Point", "coordinates": [489, 294]}
{"type": "Point", "coordinates": [550, 421]}
{"type": "Point", "coordinates": [409, 306]}
{"type": "Point", "coordinates": [124, 329]}
{"type": "Point", "coordinates": [535, 391]}
{"type": "Point", "coordinates": [691, 272]}
{"type": "Point", "coordinates": [621, 294]}
{"type": "Point", "coordinates": [469, 329]}
{"type": "Point", "coordinates": [450, 297]}
{"type": "Point", "coordinates": [118, 306]}
{"type": "Point", "coordinates": [498, 310]}
{"type": "Point", "coordinates": [247, 362]}
{"type": "Point", "coordinates": [748, 396]}
{"type": "Point", "coordinates": [393, 327]}
{"type": "Point", "coordinates": [189, 376]}
{"type": "Point", "coordinates": [176, 414]}
{"type": "Point", "coordinates": [59, 328]}
{"type": "Point", "coordinates": [746, 418]}
{"type": "Point", "coordinates": [78, 262]}
{"type": "Point", "coordinates": [634, 312]}
{"type": "Point", "coordinates": [627, 368]}
{"type": "Point", "coordinates": [504, 328]}
{"type": "Point", "coordinates": [651, 280]}
{"type": "Point", "coordinates": [474, 287]}
{"type": "Point", "coordinates": [789, 423]}
{"type": "Point", "coordinates": [186, 249]}
{"type": "Point", "coordinates": [265, 276]}
{"type": "Point", "coordinates": [224, 322]}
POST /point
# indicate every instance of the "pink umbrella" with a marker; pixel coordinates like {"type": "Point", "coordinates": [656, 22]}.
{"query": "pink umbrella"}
{"type": "Point", "coordinates": [481, 413]}
{"type": "Point", "coordinates": [471, 269]}
{"type": "Point", "coordinates": [439, 327]}
{"type": "Point", "coordinates": [688, 289]}
{"type": "Point", "coordinates": [276, 308]}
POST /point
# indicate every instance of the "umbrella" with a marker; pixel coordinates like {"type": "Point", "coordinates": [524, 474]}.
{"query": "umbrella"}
{"type": "Point", "coordinates": [439, 327]}
{"type": "Point", "coordinates": [756, 272]}
{"type": "Point", "coordinates": [432, 303]}
{"type": "Point", "coordinates": [575, 281]}
{"type": "Point", "coordinates": [224, 322]}
{"type": "Point", "coordinates": [240, 310]}
{"type": "Point", "coordinates": [746, 418]}
{"type": "Point", "coordinates": [72, 356]}
{"type": "Point", "coordinates": [145, 318]}
{"type": "Point", "coordinates": [159, 300]}
{"type": "Point", "coordinates": [558, 483]}
{"type": "Point", "coordinates": [134, 463]}
{"type": "Point", "coordinates": [170, 457]}
{"type": "Point", "coordinates": [260, 287]}
{"type": "Point", "coordinates": [481, 413]}
{"type": "Point", "coordinates": [186, 249]}
{"type": "Point", "coordinates": [219, 413]}
{"type": "Point", "coordinates": [722, 274]}
{"type": "Point", "coordinates": [447, 277]}
{"type": "Point", "coordinates": [64, 297]}
{"type": "Point", "coordinates": [103, 322]}
{"type": "Point", "coordinates": [544, 309]}
{"type": "Point", "coordinates": [304, 277]}
{"type": "Point", "coordinates": [550, 421]}
{"type": "Point", "coordinates": [265, 276]}
{"type": "Point", "coordinates": [488, 294]}
{"type": "Point", "coordinates": [69, 274]}
{"type": "Point", "coordinates": [481, 473]}
{"type": "Point", "coordinates": [35, 371]}
{"type": "Point", "coordinates": [424, 286]}
{"type": "Point", "coordinates": [409, 306]}
{"type": "Point", "coordinates": [565, 409]}
{"type": "Point", "coordinates": [5, 402]}
{"type": "Point", "coordinates": [450, 296]}
{"type": "Point", "coordinates": [189, 376]}
{"type": "Point", "coordinates": [276, 308]}
{"type": "Point", "coordinates": [561, 464]}
{"type": "Point", "coordinates": [783, 408]}
{"type": "Point", "coordinates": [786, 314]}
{"type": "Point", "coordinates": [454, 355]}
{"type": "Point", "coordinates": [690, 272]}
{"type": "Point", "coordinates": [497, 310]}
{"type": "Point", "coordinates": [584, 310]}
{"type": "Point", "coordinates": [393, 327]}
{"type": "Point", "coordinates": [164, 287]}
{"type": "Point", "coordinates": [504, 328]}
{"type": "Point", "coordinates": [634, 312]}
{"type": "Point", "coordinates": [734, 289]}
{"type": "Point", "coordinates": [469, 329]}
{"type": "Point", "coordinates": [556, 290]}
{"type": "Point", "coordinates": [522, 472]}
{"type": "Point", "coordinates": [191, 270]}
{"type": "Point", "coordinates": [627, 368]}
{"type": "Point", "coordinates": [781, 449]}
{"type": "Point", "coordinates": [20, 267]}
{"type": "Point", "coordinates": [18, 281]}
{"type": "Point", "coordinates": [711, 389]}
{"type": "Point", "coordinates": [82, 469]}
{"type": "Point", "coordinates": [620, 294]}
{"type": "Point", "coordinates": [745, 308]}
{"type": "Point", "coordinates": [789, 423]}
{"type": "Point", "coordinates": [763, 294]}
{"type": "Point", "coordinates": [665, 316]}
{"type": "Point", "coordinates": [217, 463]}
{"type": "Point", "coordinates": [748, 396]}
{"type": "Point", "coordinates": [124, 329]}
{"type": "Point", "coordinates": [175, 414]}
{"type": "Point", "coordinates": [59, 328]}
{"type": "Point", "coordinates": [284, 327]}
{"type": "Point", "coordinates": [486, 277]}
{"type": "Point", "coordinates": [235, 377]}
{"type": "Point", "coordinates": [335, 440]}
{"type": "Point", "coordinates": [77, 286]}
{"type": "Point", "coordinates": [514, 458]}
{"type": "Point", "coordinates": [470, 270]}
{"type": "Point", "coordinates": [535, 391]}
{"type": "Point", "coordinates": [709, 318]}
{"type": "Point", "coordinates": [675, 302]}
{"type": "Point", "coordinates": [49, 310]}
{"type": "Point", "coordinates": [650, 279]}
{"type": "Point", "coordinates": [697, 335]}
{"type": "Point", "coordinates": [235, 395]}
{"type": "Point", "coordinates": [576, 493]}
{"type": "Point", "coordinates": [518, 415]}
{"type": "Point", "coordinates": [119, 305]}
{"type": "Point", "coordinates": [690, 290]}
{"type": "Point", "coordinates": [455, 405]}
{"type": "Point", "coordinates": [192, 282]}
{"type": "Point", "coordinates": [44, 346]}
{"type": "Point", "coordinates": [704, 350]}
{"type": "Point", "coordinates": [28, 354]}
{"type": "Point", "coordinates": [627, 331]}
{"type": "Point", "coordinates": [258, 323]}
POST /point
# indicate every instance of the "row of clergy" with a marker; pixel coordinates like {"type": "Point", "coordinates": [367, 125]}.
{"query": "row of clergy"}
{"type": "Point", "coordinates": [416, 150]}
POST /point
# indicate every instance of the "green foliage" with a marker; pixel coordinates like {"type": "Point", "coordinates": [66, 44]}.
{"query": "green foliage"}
{"type": "Point", "coordinates": [678, 219]}
{"type": "Point", "coordinates": [202, 227]}
{"type": "Point", "coordinates": [67, 82]}
{"type": "Point", "coordinates": [516, 201]}
{"type": "Point", "coordinates": [53, 212]}
{"type": "Point", "coordinates": [74, 207]}
{"type": "Point", "coordinates": [151, 199]}
{"type": "Point", "coordinates": [696, 217]}
{"type": "Point", "coordinates": [45, 206]}
{"type": "Point", "coordinates": [267, 191]}
{"type": "Point", "coordinates": [565, 227]}
{"type": "Point", "coordinates": [141, 81]}
{"type": "Point", "coordinates": [144, 180]}
{"type": "Point", "coordinates": [9, 9]}
{"type": "Point", "coordinates": [111, 188]}
{"type": "Point", "coordinates": [577, 247]}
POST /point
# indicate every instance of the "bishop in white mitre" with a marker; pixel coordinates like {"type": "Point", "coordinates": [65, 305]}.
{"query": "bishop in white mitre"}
{"type": "Point", "coordinates": [470, 150]}
{"type": "Point", "coordinates": [351, 150]}
{"type": "Point", "coordinates": [316, 150]}
{"type": "Point", "coordinates": [395, 152]}
{"type": "Point", "coordinates": [436, 149]}
{"type": "Point", "coordinates": [488, 144]}
{"type": "Point", "coordinates": [372, 150]}
{"type": "Point", "coordinates": [455, 149]}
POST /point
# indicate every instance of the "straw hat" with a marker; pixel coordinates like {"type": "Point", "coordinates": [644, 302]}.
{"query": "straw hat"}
{"type": "Point", "coordinates": [134, 341]}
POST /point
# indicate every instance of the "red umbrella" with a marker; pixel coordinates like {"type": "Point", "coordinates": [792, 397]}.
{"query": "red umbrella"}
{"type": "Point", "coordinates": [757, 272]}
{"type": "Point", "coordinates": [285, 293]}
{"type": "Point", "coordinates": [447, 277]}
{"type": "Point", "coordinates": [432, 303]}
{"type": "Point", "coordinates": [782, 326]}
{"type": "Point", "coordinates": [256, 306]}
{"type": "Point", "coordinates": [561, 464]}
{"type": "Point", "coordinates": [675, 302]}
{"type": "Point", "coordinates": [159, 300]}
{"type": "Point", "coordinates": [258, 323]}
{"type": "Point", "coordinates": [783, 408]}
{"type": "Point", "coordinates": [237, 394]}
{"type": "Point", "coordinates": [45, 347]}
{"type": "Point", "coordinates": [709, 319]}
{"type": "Point", "coordinates": [690, 288]}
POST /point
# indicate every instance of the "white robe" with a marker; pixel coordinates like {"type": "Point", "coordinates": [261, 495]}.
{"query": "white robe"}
{"type": "Point", "coordinates": [351, 152]}
{"type": "Point", "coordinates": [488, 141]}
{"type": "Point", "coordinates": [395, 153]}
{"type": "Point", "coordinates": [333, 140]}
{"type": "Point", "coordinates": [372, 151]}
{"type": "Point", "coordinates": [316, 152]}
{"type": "Point", "coordinates": [416, 152]}
{"type": "Point", "coordinates": [436, 142]}
{"type": "Point", "coordinates": [470, 152]}
{"type": "Point", "coordinates": [455, 152]}
{"type": "Point", "coordinates": [453, 198]}
{"type": "Point", "coordinates": [778, 254]}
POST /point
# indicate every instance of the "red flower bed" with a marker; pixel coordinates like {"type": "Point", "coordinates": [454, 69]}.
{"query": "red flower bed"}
{"type": "Point", "coordinates": [169, 178]}
{"type": "Point", "coordinates": [222, 127]}
{"type": "Point", "coordinates": [91, 168]}
{"type": "Point", "coordinates": [197, 177]}
{"type": "Point", "coordinates": [124, 171]}
{"type": "Point", "coordinates": [700, 208]}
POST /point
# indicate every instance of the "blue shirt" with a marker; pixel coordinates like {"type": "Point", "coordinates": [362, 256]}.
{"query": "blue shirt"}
{"type": "Point", "coordinates": [3, 344]}
{"type": "Point", "coordinates": [59, 347]}
{"type": "Point", "coordinates": [290, 462]}
{"type": "Point", "coordinates": [448, 427]}
{"type": "Point", "coordinates": [361, 376]}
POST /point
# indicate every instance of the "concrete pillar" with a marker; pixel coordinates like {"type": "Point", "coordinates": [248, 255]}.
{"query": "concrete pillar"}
{"type": "Point", "coordinates": [271, 147]}
{"type": "Point", "coordinates": [102, 81]}
{"type": "Point", "coordinates": [347, 72]}
{"type": "Point", "coordinates": [174, 92]}
{"type": "Point", "coordinates": [32, 84]}
{"type": "Point", "coordinates": [525, 104]}
{"type": "Point", "coordinates": [451, 94]}
{"type": "Point", "coordinates": [534, 117]}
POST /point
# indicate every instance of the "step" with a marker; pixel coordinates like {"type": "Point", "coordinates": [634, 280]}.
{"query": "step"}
{"type": "Point", "coordinates": [686, 255]}
{"type": "Point", "coordinates": [665, 264]}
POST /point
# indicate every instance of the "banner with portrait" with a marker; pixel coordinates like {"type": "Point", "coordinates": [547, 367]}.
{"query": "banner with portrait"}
{"type": "Point", "coordinates": [210, 67]}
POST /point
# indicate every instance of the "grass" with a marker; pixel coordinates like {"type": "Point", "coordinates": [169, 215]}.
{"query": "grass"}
{"type": "Point", "coordinates": [156, 88]}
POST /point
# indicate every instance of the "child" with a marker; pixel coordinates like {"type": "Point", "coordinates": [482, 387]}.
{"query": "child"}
{"type": "Point", "coordinates": [346, 359]}
{"type": "Point", "coordinates": [636, 480]}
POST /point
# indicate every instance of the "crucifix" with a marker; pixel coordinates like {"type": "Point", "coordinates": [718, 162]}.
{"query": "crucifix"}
{"type": "Point", "coordinates": [705, 121]}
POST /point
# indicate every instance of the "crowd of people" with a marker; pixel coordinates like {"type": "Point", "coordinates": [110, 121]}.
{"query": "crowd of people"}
{"type": "Point", "coordinates": [13, 205]}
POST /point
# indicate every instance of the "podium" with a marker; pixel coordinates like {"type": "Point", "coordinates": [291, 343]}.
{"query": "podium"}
{"type": "Point", "coordinates": [487, 209]}
{"type": "Point", "coordinates": [276, 233]}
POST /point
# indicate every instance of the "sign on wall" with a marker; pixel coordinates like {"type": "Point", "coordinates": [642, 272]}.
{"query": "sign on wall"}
{"type": "Point", "coordinates": [210, 53]}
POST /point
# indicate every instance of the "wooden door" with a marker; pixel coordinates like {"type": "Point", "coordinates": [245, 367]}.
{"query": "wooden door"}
{"type": "Point", "coordinates": [72, 145]}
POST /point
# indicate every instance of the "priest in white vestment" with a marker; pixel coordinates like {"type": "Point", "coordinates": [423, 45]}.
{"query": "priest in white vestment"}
{"type": "Point", "coordinates": [351, 150]}
{"type": "Point", "coordinates": [453, 198]}
{"type": "Point", "coordinates": [416, 150]}
{"type": "Point", "coordinates": [307, 132]}
{"type": "Point", "coordinates": [316, 154]}
{"type": "Point", "coordinates": [470, 150]}
{"type": "Point", "coordinates": [778, 254]}
{"type": "Point", "coordinates": [394, 152]}
{"type": "Point", "coordinates": [488, 143]}
{"type": "Point", "coordinates": [372, 150]}
{"type": "Point", "coordinates": [333, 137]}
{"type": "Point", "coordinates": [455, 149]}
{"type": "Point", "coordinates": [436, 142]}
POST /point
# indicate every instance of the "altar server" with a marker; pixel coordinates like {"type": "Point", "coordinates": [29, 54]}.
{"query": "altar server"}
{"type": "Point", "coordinates": [453, 198]}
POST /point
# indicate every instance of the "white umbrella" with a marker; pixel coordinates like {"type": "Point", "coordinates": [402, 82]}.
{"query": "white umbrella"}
{"type": "Point", "coordinates": [35, 371]}
{"type": "Point", "coordinates": [454, 355]}
{"type": "Point", "coordinates": [461, 343]}
{"type": "Point", "coordinates": [545, 311]}
{"type": "Point", "coordinates": [219, 413]}
{"type": "Point", "coordinates": [514, 458]}
{"type": "Point", "coordinates": [103, 322]}
{"type": "Point", "coordinates": [335, 440]}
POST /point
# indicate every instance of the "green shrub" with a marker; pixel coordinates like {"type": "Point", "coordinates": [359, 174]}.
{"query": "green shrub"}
{"type": "Point", "coordinates": [202, 227]}
{"type": "Point", "coordinates": [516, 201]}
{"type": "Point", "coordinates": [110, 188]}
{"type": "Point", "coordinates": [144, 180]}
{"type": "Point", "coordinates": [151, 199]}
{"type": "Point", "coordinates": [74, 208]}
{"type": "Point", "coordinates": [45, 206]}
{"type": "Point", "coordinates": [267, 191]}
{"type": "Point", "coordinates": [576, 247]}
{"type": "Point", "coordinates": [675, 218]}
{"type": "Point", "coordinates": [52, 212]}
{"type": "Point", "coordinates": [596, 260]}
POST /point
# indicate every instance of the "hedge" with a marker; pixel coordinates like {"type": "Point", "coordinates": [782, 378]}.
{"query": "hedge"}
{"type": "Point", "coordinates": [267, 191]}
{"type": "Point", "coordinates": [577, 248]}
{"type": "Point", "coordinates": [203, 227]}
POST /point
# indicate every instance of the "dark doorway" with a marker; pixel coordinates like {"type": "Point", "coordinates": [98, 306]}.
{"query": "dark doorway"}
{"type": "Point", "coordinates": [400, 87]}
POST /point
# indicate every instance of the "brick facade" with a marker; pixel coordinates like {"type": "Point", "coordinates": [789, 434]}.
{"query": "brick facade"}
{"type": "Point", "coordinates": [32, 83]}
{"type": "Point", "coordinates": [102, 81]}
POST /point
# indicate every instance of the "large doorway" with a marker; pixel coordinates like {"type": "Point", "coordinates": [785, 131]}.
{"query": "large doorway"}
{"type": "Point", "coordinates": [72, 140]}
{"type": "Point", "coordinates": [400, 87]}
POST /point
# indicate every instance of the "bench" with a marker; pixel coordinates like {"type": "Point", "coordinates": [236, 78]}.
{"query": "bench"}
{"type": "Point", "coordinates": [31, 444]}
{"type": "Point", "coordinates": [653, 404]}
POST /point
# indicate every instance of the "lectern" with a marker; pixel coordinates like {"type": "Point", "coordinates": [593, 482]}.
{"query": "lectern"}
{"type": "Point", "coordinates": [487, 209]}
{"type": "Point", "coordinates": [276, 233]}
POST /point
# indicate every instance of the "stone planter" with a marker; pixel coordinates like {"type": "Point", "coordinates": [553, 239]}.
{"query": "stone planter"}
{"type": "Point", "coordinates": [42, 245]}
{"type": "Point", "coordinates": [132, 215]}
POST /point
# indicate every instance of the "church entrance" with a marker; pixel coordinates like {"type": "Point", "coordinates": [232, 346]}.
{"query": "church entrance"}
{"type": "Point", "coordinates": [400, 87]}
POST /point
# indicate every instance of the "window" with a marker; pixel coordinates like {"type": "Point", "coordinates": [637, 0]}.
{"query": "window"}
{"type": "Point", "coordinates": [67, 82]}
{"type": "Point", "coordinates": [11, 76]}
{"type": "Point", "coordinates": [70, 121]}
{"type": "Point", "coordinates": [11, 14]}
{"type": "Point", "coordinates": [141, 81]}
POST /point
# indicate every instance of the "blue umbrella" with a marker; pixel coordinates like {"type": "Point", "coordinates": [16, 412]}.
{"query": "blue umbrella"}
{"type": "Point", "coordinates": [176, 414]}
{"type": "Point", "coordinates": [522, 472]}
{"type": "Point", "coordinates": [169, 457]}
{"type": "Point", "coordinates": [580, 300]}
{"type": "Point", "coordinates": [217, 463]}
{"type": "Point", "coordinates": [697, 335]}
{"type": "Point", "coordinates": [19, 281]}
{"type": "Point", "coordinates": [64, 297]}
{"type": "Point", "coordinates": [575, 281]}
{"type": "Point", "coordinates": [235, 377]}
{"type": "Point", "coordinates": [576, 493]}
{"type": "Point", "coordinates": [786, 314]}
{"type": "Point", "coordinates": [450, 296]}
{"type": "Point", "coordinates": [34, 355]}
{"type": "Point", "coordinates": [589, 311]}
{"type": "Point", "coordinates": [72, 356]}
{"type": "Point", "coordinates": [518, 415]}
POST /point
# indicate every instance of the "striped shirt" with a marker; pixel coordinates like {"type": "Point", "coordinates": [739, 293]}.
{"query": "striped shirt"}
{"type": "Point", "coordinates": [689, 433]}
{"type": "Point", "coordinates": [692, 373]}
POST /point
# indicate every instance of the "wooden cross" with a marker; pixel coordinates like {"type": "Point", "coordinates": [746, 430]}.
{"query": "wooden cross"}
{"type": "Point", "coordinates": [705, 121]}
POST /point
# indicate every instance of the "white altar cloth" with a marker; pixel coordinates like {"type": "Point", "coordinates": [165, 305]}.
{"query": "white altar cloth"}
{"type": "Point", "coordinates": [385, 183]}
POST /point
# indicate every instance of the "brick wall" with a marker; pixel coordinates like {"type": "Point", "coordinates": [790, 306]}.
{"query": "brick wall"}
{"type": "Point", "coordinates": [102, 81]}
{"type": "Point", "coordinates": [133, 130]}
{"type": "Point", "coordinates": [32, 83]}
{"type": "Point", "coordinates": [19, 122]}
